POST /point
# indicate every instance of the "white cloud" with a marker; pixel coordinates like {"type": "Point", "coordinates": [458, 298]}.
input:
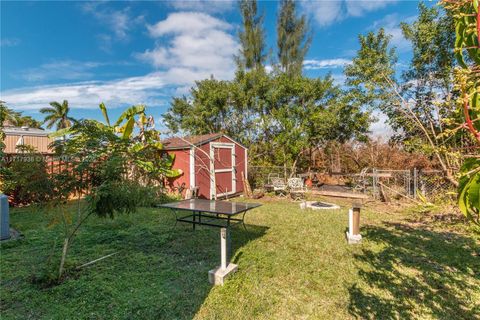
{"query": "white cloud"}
{"type": "Point", "coordinates": [339, 79]}
{"type": "Point", "coordinates": [60, 70]}
{"type": "Point", "coordinates": [325, 64]}
{"type": "Point", "coordinates": [358, 8]}
{"type": "Point", "coordinates": [89, 94]}
{"type": "Point", "coordinates": [203, 5]}
{"type": "Point", "coordinates": [152, 89]}
{"type": "Point", "coordinates": [193, 46]}
{"type": "Point", "coordinates": [324, 12]}
{"type": "Point", "coordinates": [380, 128]}
{"type": "Point", "coordinates": [327, 12]}
{"type": "Point", "coordinates": [119, 22]}
{"type": "Point", "coordinates": [9, 42]}
{"type": "Point", "coordinates": [197, 43]}
{"type": "Point", "coordinates": [195, 23]}
{"type": "Point", "coordinates": [391, 24]}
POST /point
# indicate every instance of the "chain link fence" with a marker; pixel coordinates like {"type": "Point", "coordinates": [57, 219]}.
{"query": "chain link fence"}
{"type": "Point", "coordinates": [378, 183]}
{"type": "Point", "coordinates": [433, 185]}
{"type": "Point", "coordinates": [429, 184]}
{"type": "Point", "coordinates": [387, 184]}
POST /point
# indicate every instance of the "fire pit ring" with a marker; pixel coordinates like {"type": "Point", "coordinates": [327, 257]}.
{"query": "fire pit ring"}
{"type": "Point", "coordinates": [318, 205]}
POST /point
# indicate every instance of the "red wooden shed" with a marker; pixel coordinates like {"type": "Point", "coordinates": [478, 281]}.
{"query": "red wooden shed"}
{"type": "Point", "coordinates": [212, 163]}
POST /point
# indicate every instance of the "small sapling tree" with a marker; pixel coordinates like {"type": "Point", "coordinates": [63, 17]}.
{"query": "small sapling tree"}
{"type": "Point", "coordinates": [107, 164]}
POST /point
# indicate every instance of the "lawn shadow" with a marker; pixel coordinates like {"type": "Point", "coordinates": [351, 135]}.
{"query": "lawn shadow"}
{"type": "Point", "coordinates": [176, 262]}
{"type": "Point", "coordinates": [416, 273]}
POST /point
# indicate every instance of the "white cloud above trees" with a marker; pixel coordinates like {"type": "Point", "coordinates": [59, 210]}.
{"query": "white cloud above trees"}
{"type": "Point", "coordinates": [209, 6]}
{"type": "Point", "coordinates": [391, 24]}
{"type": "Point", "coordinates": [189, 46]}
{"type": "Point", "coordinates": [325, 13]}
{"type": "Point", "coordinates": [194, 42]}
{"type": "Point", "coordinates": [314, 64]}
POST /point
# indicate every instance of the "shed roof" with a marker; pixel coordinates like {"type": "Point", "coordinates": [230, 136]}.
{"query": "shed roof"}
{"type": "Point", "coordinates": [176, 143]}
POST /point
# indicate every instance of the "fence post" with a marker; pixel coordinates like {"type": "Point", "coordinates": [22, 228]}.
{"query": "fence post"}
{"type": "Point", "coordinates": [374, 178]}
{"type": "Point", "coordinates": [415, 182]}
{"type": "Point", "coordinates": [408, 183]}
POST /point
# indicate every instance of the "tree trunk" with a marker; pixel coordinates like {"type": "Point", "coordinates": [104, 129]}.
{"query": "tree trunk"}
{"type": "Point", "coordinates": [450, 178]}
{"type": "Point", "coordinates": [64, 257]}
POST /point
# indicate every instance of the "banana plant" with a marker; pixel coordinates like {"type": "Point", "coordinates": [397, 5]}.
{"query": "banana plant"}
{"type": "Point", "coordinates": [142, 146]}
{"type": "Point", "coordinates": [126, 122]}
{"type": "Point", "coordinates": [466, 14]}
{"type": "Point", "coordinates": [145, 147]}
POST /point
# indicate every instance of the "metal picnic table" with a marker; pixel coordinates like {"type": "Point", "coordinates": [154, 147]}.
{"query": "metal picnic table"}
{"type": "Point", "coordinates": [214, 213]}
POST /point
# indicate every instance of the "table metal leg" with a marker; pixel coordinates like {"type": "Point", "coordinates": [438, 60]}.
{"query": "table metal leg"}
{"type": "Point", "coordinates": [243, 221]}
{"type": "Point", "coordinates": [176, 218]}
{"type": "Point", "coordinates": [193, 224]}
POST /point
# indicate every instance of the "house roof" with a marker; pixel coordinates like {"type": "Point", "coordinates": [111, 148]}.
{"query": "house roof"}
{"type": "Point", "coordinates": [176, 143]}
{"type": "Point", "coordinates": [25, 131]}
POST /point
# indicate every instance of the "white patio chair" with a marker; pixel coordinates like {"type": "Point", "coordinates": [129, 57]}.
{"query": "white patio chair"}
{"type": "Point", "coordinates": [279, 186]}
{"type": "Point", "coordinates": [296, 188]}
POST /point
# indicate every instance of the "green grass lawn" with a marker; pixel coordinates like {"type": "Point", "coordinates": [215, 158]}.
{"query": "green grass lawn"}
{"type": "Point", "coordinates": [293, 264]}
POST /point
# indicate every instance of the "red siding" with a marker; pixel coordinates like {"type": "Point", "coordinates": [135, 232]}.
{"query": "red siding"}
{"type": "Point", "coordinates": [202, 171]}
{"type": "Point", "coordinates": [223, 160]}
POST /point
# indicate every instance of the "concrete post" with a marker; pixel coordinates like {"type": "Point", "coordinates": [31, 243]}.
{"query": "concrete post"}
{"type": "Point", "coordinates": [219, 274]}
{"type": "Point", "coordinates": [353, 233]}
{"type": "Point", "coordinates": [223, 248]}
{"type": "Point", "coordinates": [4, 218]}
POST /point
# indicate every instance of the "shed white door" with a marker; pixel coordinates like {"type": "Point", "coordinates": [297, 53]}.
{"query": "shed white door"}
{"type": "Point", "coordinates": [222, 167]}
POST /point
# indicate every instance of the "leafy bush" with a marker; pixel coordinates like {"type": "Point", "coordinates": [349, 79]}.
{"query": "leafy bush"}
{"type": "Point", "coordinates": [25, 179]}
{"type": "Point", "coordinates": [116, 196]}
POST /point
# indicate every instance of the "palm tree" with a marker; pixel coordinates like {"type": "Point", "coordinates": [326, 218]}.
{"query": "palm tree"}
{"type": "Point", "coordinates": [57, 115]}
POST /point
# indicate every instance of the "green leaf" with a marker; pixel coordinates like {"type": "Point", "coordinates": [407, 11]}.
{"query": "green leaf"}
{"type": "Point", "coordinates": [469, 188]}
{"type": "Point", "coordinates": [156, 145]}
{"type": "Point", "coordinates": [128, 129]}
{"type": "Point", "coordinates": [137, 147]}
{"type": "Point", "coordinates": [173, 173]}
{"type": "Point", "coordinates": [474, 192]}
{"type": "Point", "coordinates": [459, 34]}
{"type": "Point", "coordinates": [130, 113]}
{"type": "Point", "coordinates": [61, 132]}
{"type": "Point", "coordinates": [104, 112]}
{"type": "Point", "coordinates": [459, 57]}
{"type": "Point", "coordinates": [463, 200]}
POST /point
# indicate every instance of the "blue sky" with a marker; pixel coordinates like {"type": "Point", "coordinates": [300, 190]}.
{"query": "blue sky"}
{"type": "Point", "coordinates": [128, 52]}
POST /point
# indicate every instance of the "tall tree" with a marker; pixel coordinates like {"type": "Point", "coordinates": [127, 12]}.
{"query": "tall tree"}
{"type": "Point", "coordinates": [57, 115]}
{"type": "Point", "coordinates": [293, 38]}
{"type": "Point", "coordinates": [290, 117]}
{"type": "Point", "coordinates": [372, 66]}
{"type": "Point", "coordinates": [209, 110]}
{"type": "Point", "coordinates": [9, 117]}
{"type": "Point", "coordinates": [308, 113]}
{"type": "Point", "coordinates": [252, 37]}
{"type": "Point", "coordinates": [372, 79]}
{"type": "Point", "coordinates": [429, 78]}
